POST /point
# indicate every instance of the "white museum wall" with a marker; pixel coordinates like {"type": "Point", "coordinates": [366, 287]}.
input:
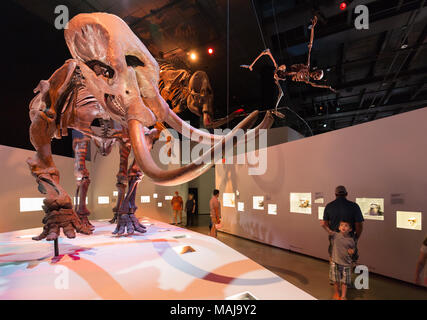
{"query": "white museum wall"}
{"type": "Point", "coordinates": [17, 182]}
{"type": "Point", "coordinates": [386, 159]}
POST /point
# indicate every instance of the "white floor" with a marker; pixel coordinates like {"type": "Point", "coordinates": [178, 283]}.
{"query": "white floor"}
{"type": "Point", "coordinates": [149, 266]}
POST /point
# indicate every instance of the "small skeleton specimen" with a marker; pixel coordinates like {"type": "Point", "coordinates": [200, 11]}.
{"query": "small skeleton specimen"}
{"type": "Point", "coordinates": [297, 72]}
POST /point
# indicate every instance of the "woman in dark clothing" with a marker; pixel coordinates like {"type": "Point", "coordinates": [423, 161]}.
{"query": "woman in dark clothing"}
{"type": "Point", "coordinates": [190, 208]}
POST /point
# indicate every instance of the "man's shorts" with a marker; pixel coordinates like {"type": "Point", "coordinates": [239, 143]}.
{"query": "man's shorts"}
{"type": "Point", "coordinates": [340, 274]}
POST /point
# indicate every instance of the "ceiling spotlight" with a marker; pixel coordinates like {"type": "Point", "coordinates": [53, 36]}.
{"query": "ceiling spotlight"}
{"type": "Point", "coordinates": [193, 56]}
{"type": "Point", "coordinates": [324, 125]}
{"type": "Point", "coordinates": [210, 51]}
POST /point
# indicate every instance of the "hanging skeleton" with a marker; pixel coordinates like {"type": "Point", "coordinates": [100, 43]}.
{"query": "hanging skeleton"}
{"type": "Point", "coordinates": [297, 72]}
{"type": "Point", "coordinates": [183, 89]}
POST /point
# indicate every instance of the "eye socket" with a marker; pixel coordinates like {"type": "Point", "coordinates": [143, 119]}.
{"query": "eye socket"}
{"type": "Point", "coordinates": [100, 68]}
{"type": "Point", "coordinates": [133, 61]}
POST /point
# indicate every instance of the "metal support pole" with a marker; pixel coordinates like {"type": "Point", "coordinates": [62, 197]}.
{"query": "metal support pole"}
{"type": "Point", "coordinates": [56, 247]}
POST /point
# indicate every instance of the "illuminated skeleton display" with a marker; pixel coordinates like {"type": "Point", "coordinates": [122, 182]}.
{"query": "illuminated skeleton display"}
{"type": "Point", "coordinates": [114, 67]}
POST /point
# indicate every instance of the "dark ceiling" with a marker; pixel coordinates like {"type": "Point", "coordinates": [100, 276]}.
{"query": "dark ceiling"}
{"type": "Point", "coordinates": [378, 72]}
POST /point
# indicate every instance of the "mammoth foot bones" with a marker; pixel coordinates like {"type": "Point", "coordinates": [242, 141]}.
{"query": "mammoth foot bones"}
{"type": "Point", "coordinates": [57, 205]}
{"type": "Point", "coordinates": [65, 219]}
{"type": "Point", "coordinates": [84, 220]}
{"type": "Point", "coordinates": [128, 223]}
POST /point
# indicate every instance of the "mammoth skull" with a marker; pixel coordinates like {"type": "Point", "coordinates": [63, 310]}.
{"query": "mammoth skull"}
{"type": "Point", "coordinates": [123, 76]}
{"type": "Point", "coordinates": [200, 98]}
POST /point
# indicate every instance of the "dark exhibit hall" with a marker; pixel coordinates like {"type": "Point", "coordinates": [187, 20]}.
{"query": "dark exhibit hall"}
{"type": "Point", "coordinates": [211, 152]}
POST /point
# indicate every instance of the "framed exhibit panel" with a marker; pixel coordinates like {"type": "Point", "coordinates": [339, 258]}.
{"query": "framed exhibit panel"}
{"type": "Point", "coordinates": [168, 197]}
{"type": "Point", "coordinates": [300, 202]}
{"type": "Point", "coordinates": [258, 202]}
{"type": "Point", "coordinates": [228, 200]}
{"type": "Point", "coordinates": [103, 200]}
{"type": "Point", "coordinates": [115, 193]}
{"type": "Point", "coordinates": [408, 220]}
{"type": "Point", "coordinates": [372, 208]}
{"type": "Point", "coordinates": [272, 209]}
{"type": "Point", "coordinates": [319, 198]}
{"type": "Point", "coordinates": [155, 195]}
{"type": "Point", "coordinates": [145, 199]}
{"type": "Point", "coordinates": [320, 211]}
{"type": "Point", "coordinates": [159, 204]}
{"type": "Point", "coordinates": [240, 206]}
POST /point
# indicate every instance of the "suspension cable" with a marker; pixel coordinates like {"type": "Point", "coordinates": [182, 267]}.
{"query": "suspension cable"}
{"type": "Point", "coordinates": [259, 24]}
{"type": "Point", "coordinates": [277, 30]}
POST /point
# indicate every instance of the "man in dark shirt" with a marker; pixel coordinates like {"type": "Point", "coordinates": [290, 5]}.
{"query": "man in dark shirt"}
{"type": "Point", "coordinates": [342, 209]}
{"type": "Point", "coordinates": [339, 210]}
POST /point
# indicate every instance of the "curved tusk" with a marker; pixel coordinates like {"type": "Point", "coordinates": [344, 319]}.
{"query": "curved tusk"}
{"type": "Point", "coordinates": [191, 171]}
{"type": "Point", "coordinates": [163, 113]}
{"type": "Point", "coordinates": [189, 131]}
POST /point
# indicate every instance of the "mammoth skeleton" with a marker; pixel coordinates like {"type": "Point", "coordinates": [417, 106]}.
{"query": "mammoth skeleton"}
{"type": "Point", "coordinates": [183, 90]}
{"type": "Point", "coordinates": [114, 67]}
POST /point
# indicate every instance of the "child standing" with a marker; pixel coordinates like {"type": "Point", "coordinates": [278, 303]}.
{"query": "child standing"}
{"type": "Point", "coordinates": [343, 247]}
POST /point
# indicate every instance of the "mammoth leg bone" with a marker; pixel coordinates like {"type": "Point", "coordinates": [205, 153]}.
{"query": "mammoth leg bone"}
{"type": "Point", "coordinates": [57, 206]}
{"type": "Point", "coordinates": [122, 178]}
{"type": "Point", "coordinates": [80, 146]}
{"type": "Point", "coordinates": [127, 221]}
